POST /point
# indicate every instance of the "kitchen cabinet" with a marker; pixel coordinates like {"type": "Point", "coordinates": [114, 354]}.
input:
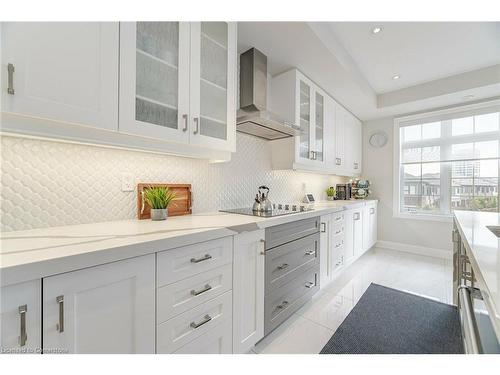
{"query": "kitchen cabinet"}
{"type": "Point", "coordinates": [248, 290]}
{"type": "Point", "coordinates": [325, 249]}
{"type": "Point", "coordinates": [20, 318]}
{"type": "Point", "coordinates": [369, 225]}
{"type": "Point", "coordinates": [299, 101]}
{"type": "Point", "coordinates": [63, 71]}
{"type": "Point", "coordinates": [353, 244]}
{"type": "Point", "coordinates": [332, 238]}
{"type": "Point", "coordinates": [104, 309]}
{"type": "Point", "coordinates": [348, 143]}
{"type": "Point", "coordinates": [178, 82]}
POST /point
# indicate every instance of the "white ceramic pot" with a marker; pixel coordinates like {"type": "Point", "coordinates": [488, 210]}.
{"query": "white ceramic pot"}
{"type": "Point", "coordinates": [330, 197]}
{"type": "Point", "coordinates": [159, 214]}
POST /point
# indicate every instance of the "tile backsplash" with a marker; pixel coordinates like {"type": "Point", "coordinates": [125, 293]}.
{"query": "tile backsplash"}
{"type": "Point", "coordinates": [46, 183]}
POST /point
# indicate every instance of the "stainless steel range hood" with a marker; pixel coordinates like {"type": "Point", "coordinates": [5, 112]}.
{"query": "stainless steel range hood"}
{"type": "Point", "coordinates": [253, 117]}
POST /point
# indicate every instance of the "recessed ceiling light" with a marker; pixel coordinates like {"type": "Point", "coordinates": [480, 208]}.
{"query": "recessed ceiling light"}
{"type": "Point", "coordinates": [396, 76]}
{"type": "Point", "coordinates": [376, 30]}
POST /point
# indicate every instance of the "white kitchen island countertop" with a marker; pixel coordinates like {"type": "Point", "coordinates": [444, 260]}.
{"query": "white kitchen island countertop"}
{"type": "Point", "coordinates": [31, 254]}
{"type": "Point", "coordinates": [483, 249]}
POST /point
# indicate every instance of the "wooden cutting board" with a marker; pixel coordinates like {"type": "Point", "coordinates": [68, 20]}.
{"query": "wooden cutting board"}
{"type": "Point", "coordinates": [181, 205]}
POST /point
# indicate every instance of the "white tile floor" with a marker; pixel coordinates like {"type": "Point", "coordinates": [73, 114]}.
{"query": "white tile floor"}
{"type": "Point", "coordinates": [309, 329]}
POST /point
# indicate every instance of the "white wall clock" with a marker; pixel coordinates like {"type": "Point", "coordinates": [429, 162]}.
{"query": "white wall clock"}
{"type": "Point", "coordinates": [378, 139]}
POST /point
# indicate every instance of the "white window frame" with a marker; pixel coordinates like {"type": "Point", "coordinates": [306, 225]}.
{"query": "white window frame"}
{"type": "Point", "coordinates": [424, 118]}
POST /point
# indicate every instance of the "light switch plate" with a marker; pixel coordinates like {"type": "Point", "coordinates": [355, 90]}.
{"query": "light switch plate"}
{"type": "Point", "coordinates": [128, 182]}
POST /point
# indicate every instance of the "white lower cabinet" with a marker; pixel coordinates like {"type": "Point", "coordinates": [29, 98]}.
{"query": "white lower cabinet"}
{"type": "Point", "coordinates": [353, 244]}
{"type": "Point", "coordinates": [218, 340]}
{"type": "Point", "coordinates": [369, 225]}
{"type": "Point", "coordinates": [248, 290]}
{"type": "Point", "coordinates": [20, 318]}
{"type": "Point", "coordinates": [332, 237]}
{"type": "Point", "coordinates": [104, 309]}
{"type": "Point", "coordinates": [194, 323]}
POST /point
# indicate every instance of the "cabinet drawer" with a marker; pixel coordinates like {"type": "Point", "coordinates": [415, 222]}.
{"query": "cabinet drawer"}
{"type": "Point", "coordinates": [337, 242]}
{"type": "Point", "coordinates": [284, 301]}
{"type": "Point", "coordinates": [338, 228]}
{"type": "Point", "coordinates": [284, 233]}
{"type": "Point", "coordinates": [183, 295]}
{"type": "Point", "coordinates": [183, 262]}
{"type": "Point", "coordinates": [184, 328]}
{"type": "Point", "coordinates": [218, 340]}
{"type": "Point", "coordinates": [285, 262]}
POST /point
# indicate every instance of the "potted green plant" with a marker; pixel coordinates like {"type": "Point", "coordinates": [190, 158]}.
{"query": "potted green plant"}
{"type": "Point", "coordinates": [158, 198]}
{"type": "Point", "coordinates": [330, 193]}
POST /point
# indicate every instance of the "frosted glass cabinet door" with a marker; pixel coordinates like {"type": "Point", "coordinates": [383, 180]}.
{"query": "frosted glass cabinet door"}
{"type": "Point", "coordinates": [154, 79]}
{"type": "Point", "coordinates": [213, 85]}
{"type": "Point", "coordinates": [319, 126]}
{"type": "Point", "coordinates": [305, 114]}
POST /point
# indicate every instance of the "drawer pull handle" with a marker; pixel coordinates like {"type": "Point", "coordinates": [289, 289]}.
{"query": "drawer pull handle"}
{"type": "Point", "coordinates": [283, 305]}
{"type": "Point", "coordinates": [339, 231]}
{"type": "Point", "coordinates": [206, 257]}
{"type": "Point", "coordinates": [310, 285]}
{"type": "Point", "coordinates": [338, 161]}
{"type": "Point", "coordinates": [338, 245]}
{"type": "Point", "coordinates": [310, 252]}
{"type": "Point", "coordinates": [22, 316]}
{"type": "Point", "coordinates": [204, 321]}
{"type": "Point", "coordinates": [323, 227]}
{"type": "Point", "coordinates": [198, 292]}
{"type": "Point", "coordinates": [283, 266]}
{"type": "Point", "coordinates": [338, 218]}
{"type": "Point", "coordinates": [60, 325]}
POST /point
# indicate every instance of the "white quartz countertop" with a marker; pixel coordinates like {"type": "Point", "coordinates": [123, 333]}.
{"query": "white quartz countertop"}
{"type": "Point", "coordinates": [31, 254]}
{"type": "Point", "coordinates": [483, 248]}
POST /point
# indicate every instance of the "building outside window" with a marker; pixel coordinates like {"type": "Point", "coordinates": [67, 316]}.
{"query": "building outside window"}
{"type": "Point", "coordinates": [448, 160]}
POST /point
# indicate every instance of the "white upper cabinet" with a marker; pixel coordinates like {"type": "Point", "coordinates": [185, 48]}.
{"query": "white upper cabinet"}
{"type": "Point", "coordinates": [213, 85]}
{"type": "Point", "coordinates": [154, 79]}
{"type": "Point", "coordinates": [348, 143]}
{"type": "Point", "coordinates": [63, 71]}
{"type": "Point", "coordinates": [178, 82]}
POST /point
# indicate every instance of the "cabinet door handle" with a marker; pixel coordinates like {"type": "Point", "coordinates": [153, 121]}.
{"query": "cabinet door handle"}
{"type": "Point", "coordinates": [206, 257]}
{"type": "Point", "coordinates": [185, 118]}
{"type": "Point", "coordinates": [356, 166]}
{"type": "Point", "coordinates": [283, 266]}
{"type": "Point", "coordinates": [372, 211]}
{"type": "Point", "coordinates": [356, 216]}
{"type": "Point", "coordinates": [310, 285]}
{"type": "Point", "coordinates": [338, 161]}
{"type": "Point", "coordinates": [283, 305]}
{"type": "Point", "coordinates": [10, 70]}
{"type": "Point", "coordinates": [323, 227]}
{"type": "Point", "coordinates": [310, 252]}
{"type": "Point", "coordinates": [196, 125]}
{"type": "Point", "coordinates": [60, 325]}
{"type": "Point", "coordinates": [198, 292]}
{"type": "Point", "coordinates": [338, 218]}
{"type": "Point", "coordinates": [206, 319]}
{"type": "Point", "coordinates": [22, 317]}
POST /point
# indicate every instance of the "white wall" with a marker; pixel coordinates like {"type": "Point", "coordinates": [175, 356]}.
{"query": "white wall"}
{"type": "Point", "coordinates": [47, 183]}
{"type": "Point", "coordinates": [378, 168]}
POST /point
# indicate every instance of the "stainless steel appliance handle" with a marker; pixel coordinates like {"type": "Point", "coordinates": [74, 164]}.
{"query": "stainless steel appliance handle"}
{"type": "Point", "coordinates": [10, 87]}
{"type": "Point", "coordinates": [60, 325]}
{"type": "Point", "coordinates": [185, 118]}
{"type": "Point", "coordinates": [201, 291]}
{"type": "Point", "coordinates": [22, 317]}
{"type": "Point", "coordinates": [206, 257]}
{"type": "Point", "coordinates": [196, 125]}
{"type": "Point", "coordinates": [206, 319]}
{"type": "Point", "coordinates": [468, 321]}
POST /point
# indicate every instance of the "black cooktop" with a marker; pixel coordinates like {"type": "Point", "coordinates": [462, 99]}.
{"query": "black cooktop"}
{"type": "Point", "coordinates": [284, 210]}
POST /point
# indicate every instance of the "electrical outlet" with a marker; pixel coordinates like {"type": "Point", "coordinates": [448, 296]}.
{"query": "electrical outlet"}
{"type": "Point", "coordinates": [128, 182]}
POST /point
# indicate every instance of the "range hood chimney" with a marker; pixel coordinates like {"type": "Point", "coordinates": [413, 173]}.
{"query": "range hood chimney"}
{"type": "Point", "coordinates": [253, 117]}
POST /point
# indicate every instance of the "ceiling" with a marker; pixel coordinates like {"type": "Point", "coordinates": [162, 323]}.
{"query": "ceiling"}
{"type": "Point", "coordinates": [439, 63]}
{"type": "Point", "coordinates": [418, 51]}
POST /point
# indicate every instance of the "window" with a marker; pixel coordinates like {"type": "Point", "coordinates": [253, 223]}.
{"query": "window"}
{"type": "Point", "coordinates": [448, 160]}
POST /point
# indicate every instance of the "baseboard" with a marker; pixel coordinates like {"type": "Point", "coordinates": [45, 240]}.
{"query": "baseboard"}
{"type": "Point", "coordinates": [420, 250]}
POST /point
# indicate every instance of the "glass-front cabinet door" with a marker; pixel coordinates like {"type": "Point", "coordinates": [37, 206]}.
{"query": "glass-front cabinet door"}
{"type": "Point", "coordinates": [154, 79]}
{"type": "Point", "coordinates": [304, 112]}
{"type": "Point", "coordinates": [319, 125]}
{"type": "Point", "coordinates": [213, 85]}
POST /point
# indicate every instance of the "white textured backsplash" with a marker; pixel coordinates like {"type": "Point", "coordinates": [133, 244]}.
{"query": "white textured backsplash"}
{"type": "Point", "coordinates": [47, 183]}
